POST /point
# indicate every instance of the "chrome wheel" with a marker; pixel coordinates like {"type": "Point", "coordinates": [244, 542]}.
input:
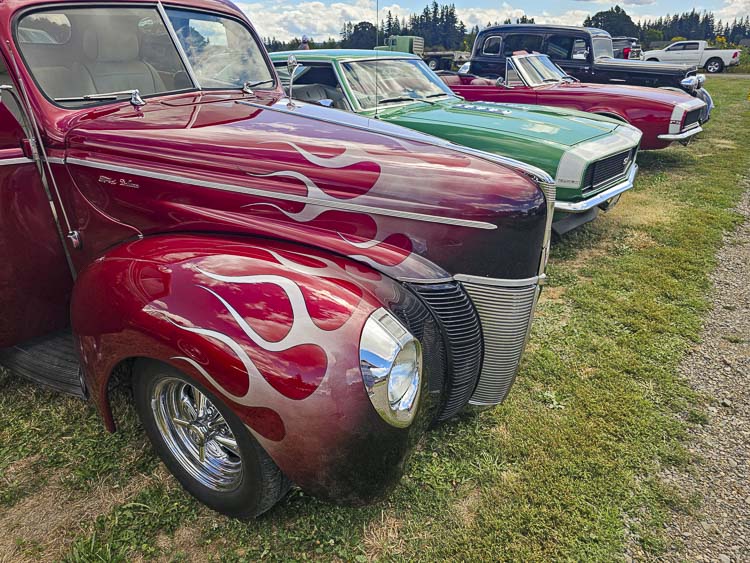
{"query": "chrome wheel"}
{"type": "Point", "coordinates": [196, 434]}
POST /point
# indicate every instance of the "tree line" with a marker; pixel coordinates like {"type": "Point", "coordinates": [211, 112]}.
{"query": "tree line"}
{"type": "Point", "coordinates": [442, 29]}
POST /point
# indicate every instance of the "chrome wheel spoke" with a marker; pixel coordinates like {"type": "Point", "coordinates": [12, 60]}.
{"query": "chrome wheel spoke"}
{"type": "Point", "coordinates": [180, 422]}
{"type": "Point", "coordinates": [200, 402]}
{"type": "Point", "coordinates": [227, 443]}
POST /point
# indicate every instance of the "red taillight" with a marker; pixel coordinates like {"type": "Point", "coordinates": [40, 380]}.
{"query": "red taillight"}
{"type": "Point", "coordinates": [626, 53]}
{"type": "Point", "coordinates": [736, 55]}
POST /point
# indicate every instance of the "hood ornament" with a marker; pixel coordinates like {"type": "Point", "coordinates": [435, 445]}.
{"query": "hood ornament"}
{"type": "Point", "coordinates": [135, 99]}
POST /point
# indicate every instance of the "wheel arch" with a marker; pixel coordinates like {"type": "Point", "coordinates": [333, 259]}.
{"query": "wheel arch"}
{"type": "Point", "coordinates": [290, 372]}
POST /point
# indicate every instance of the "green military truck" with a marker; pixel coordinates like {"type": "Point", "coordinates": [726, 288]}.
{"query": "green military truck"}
{"type": "Point", "coordinates": [436, 60]}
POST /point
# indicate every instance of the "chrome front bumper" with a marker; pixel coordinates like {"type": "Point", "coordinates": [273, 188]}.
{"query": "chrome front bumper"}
{"type": "Point", "coordinates": [600, 198]}
{"type": "Point", "coordinates": [505, 309]}
{"type": "Point", "coordinates": [682, 135]}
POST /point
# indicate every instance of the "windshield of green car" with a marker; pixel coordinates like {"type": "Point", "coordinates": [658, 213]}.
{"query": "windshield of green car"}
{"type": "Point", "coordinates": [391, 81]}
{"type": "Point", "coordinates": [538, 69]}
{"type": "Point", "coordinates": [87, 55]}
{"type": "Point", "coordinates": [602, 48]}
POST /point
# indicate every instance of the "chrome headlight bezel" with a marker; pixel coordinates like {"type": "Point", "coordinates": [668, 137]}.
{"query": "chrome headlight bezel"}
{"type": "Point", "coordinates": [390, 361]}
{"type": "Point", "coordinates": [691, 83]}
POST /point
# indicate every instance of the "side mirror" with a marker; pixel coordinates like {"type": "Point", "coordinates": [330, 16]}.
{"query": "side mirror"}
{"type": "Point", "coordinates": [500, 81]}
{"type": "Point", "coordinates": [326, 102]}
{"type": "Point", "coordinates": [291, 67]}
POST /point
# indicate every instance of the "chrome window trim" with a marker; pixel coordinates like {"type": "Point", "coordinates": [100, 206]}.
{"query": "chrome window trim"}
{"type": "Point", "coordinates": [280, 195]}
{"type": "Point", "coordinates": [176, 40]}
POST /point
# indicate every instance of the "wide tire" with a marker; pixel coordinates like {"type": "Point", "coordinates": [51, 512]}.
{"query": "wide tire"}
{"type": "Point", "coordinates": [204, 444]}
{"type": "Point", "coordinates": [714, 66]}
{"type": "Point", "coordinates": [434, 64]}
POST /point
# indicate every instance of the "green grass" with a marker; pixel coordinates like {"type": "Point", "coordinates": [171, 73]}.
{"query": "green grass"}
{"type": "Point", "coordinates": [567, 468]}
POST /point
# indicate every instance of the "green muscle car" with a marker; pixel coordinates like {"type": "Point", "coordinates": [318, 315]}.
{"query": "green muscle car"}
{"type": "Point", "coordinates": [592, 158]}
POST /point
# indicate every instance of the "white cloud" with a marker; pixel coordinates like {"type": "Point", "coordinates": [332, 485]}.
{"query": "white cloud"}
{"type": "Point", "coordinates": [733, 9]}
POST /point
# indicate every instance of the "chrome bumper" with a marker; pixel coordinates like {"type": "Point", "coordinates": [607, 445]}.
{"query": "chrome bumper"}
{"type": "Point", "coordinates": [600, 198]}
{"type": "Point", "coordinates": [682, 135]}
{"type": "Point", "coordinates": [505, 309]}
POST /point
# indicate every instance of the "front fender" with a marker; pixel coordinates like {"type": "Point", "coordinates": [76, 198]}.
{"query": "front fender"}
{"type": "Point", "coordinates": [271, 328]}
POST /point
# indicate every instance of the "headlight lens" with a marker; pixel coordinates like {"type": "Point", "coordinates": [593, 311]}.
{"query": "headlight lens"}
{"type": "Point", "coordinates": [691, 83]}
{"type": "Point", "coordinates": [391, 362]}
{"type": "Point", "coordinates": [465, 68]}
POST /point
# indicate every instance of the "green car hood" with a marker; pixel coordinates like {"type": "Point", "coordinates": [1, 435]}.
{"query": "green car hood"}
{"type": "Point", "coordinates": [548, 125]}
{"type": "Point", "coordinates": [538, 135]}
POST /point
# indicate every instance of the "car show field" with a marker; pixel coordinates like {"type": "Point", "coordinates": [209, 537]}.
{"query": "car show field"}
{"type": "Point", "coordinates": [568, 467]}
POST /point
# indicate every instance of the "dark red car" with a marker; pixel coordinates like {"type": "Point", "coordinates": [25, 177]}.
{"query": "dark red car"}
{"type": "Point", "coordinates": [293, 294]}
{"type": "Point", "coordinates": [663, 115]}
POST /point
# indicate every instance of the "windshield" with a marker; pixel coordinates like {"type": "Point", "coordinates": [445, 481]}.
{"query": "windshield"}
{"type": "Point", "coordinates": [222, 52]}
{"type": "Point", "coordinates": [83, 55]}
{"type": "Point", "coordinates": [538, 69]}
{"type": "Point", "coordinates": [602, 47]}
{"type": "Point", "coordinates": [397, 81]}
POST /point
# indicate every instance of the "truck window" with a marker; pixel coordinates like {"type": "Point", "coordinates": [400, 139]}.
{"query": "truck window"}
{"type": "Point", "coordinates": [492, 45]}
{"type": "Point", "coordinates": [691, 46]}
{"type": "Point", "coordinates": [677, 47]}
{"type": "Point", "coordinates": [561, 46]}
{"type": "Point", "coordinates": [522, 42]}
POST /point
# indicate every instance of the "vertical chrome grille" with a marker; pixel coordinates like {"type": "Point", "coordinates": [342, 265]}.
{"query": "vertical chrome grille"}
{"type": "Point", "coordinates": [505, 309]}
{"type": "Point", "coordinates": [463, 336]}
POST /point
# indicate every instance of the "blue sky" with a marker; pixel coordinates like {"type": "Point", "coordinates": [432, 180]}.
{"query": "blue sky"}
{"type": "Point", "coordinates": [285, 19]}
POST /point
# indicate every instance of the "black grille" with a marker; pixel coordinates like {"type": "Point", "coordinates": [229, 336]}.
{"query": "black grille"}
{"type": "Point", "coordinates": [692, 118]}
{"type": "Point", "coordinates": [604, 171]}
{"type": "Point", "coordinates": [463, 335]}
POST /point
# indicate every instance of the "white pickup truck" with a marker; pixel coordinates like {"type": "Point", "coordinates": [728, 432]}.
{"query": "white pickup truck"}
{"type": "Point", "coordinates": [696, 53]}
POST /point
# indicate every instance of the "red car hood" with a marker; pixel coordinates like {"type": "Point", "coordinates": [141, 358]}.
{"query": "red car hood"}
{"type": "Point", "coordinates": [216, 164]}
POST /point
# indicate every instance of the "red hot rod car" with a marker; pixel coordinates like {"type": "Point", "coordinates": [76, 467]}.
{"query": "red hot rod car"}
{"type": "Point", "coordinates": [292, 294]}
{"type": "Point", "coordinates": [663, 115]}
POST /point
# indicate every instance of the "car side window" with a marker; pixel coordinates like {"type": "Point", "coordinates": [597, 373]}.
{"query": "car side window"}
{"type": "Point", "coordinates": [677, 47]}
{"type": "Point", "coordinates": [560, 47]}
{"type": "Point", "coordinates": [492, 45]}
{"type": "Point", "coordinates": [691, 46]}
{"type": "Point", "coordinates": [580, 50]}
{"type": "Point", "coordinates": [522, 42]}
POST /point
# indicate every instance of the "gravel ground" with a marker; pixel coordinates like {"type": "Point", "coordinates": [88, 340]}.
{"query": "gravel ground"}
{"type": "Point", "coordinates": [719, 368]}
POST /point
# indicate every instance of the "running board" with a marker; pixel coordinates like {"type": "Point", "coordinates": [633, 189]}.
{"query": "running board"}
{"type": "Point", "coordinates": [50, 361]}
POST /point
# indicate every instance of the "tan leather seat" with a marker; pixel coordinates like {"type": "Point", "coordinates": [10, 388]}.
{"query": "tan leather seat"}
{"type": "Point", "coordinates": [482, 82]}
{"type": "Point", "coordinates": [451, 79]}
{"type": "Point", "coordinates": [114, 63]}
{"type": "Point", "coordinates": [315, 92]}
{"type": "Point", "coordinates": [63, 81]}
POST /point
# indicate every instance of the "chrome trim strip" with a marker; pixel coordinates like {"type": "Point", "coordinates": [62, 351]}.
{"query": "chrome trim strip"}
{"type": "Point", "coordinates": [601, 197]}
{"type": "Point", "coordinates": [55, 160]}
{"type": "Point", "coordinates": [682, 136]}
{"type": "Point", "coordinates": [19, 160]}
{"type": "Point", "coordinates": [498, 282]}
{"type": "Point", "coordinates": [173, 36]}
{"type": "Point", "coordinates": [287, 197]}
{"type": "Point", "coordinates": [535, 173]}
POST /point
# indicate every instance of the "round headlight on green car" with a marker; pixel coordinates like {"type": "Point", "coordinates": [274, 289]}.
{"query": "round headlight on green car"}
{"type": "Point", "coordinates": [390, 359]}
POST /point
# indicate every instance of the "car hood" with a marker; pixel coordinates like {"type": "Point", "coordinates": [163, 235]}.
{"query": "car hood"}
{"type": "Point", "coordinates": [543, 124]}
{"type": "Point", "coordinates": [648, 67]}
{"type": "Point", "coordinates": [338, 181]}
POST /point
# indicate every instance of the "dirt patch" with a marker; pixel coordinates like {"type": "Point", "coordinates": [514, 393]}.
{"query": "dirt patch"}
{"type": "Point", "coordinates": [382, 538]}
{"type": "Point", "coordinates": [640, 209]}
{"type": "Point", "coordinates": [41, 526]}
{"type": "Point", "coordinates": [466, 507]}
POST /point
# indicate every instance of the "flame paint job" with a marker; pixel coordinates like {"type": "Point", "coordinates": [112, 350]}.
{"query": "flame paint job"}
{"type": "Point", "coordinates": [213, 183]}
{"type": "Point", "coordinates": [648, 109]}
{"type": "Point", "coordinates": [271, 327]}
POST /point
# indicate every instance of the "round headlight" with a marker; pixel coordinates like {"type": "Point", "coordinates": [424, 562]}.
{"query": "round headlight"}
{"type": "Point", "coordinates": [390, 359]}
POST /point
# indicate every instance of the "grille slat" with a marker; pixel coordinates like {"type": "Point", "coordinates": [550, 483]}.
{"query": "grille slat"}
{"type": "Point", "coordinates": [463, 333]}
{"type": "Point", "coordinates": [606, 170]}
{"type": "Point", "coordinates": [505, 314]}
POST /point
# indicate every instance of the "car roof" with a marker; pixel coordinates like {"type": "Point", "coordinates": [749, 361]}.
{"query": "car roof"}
{"type": "Point", "coordinates": [342, 54]}
{"type": "Point", "coordinates": [545, 28]}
